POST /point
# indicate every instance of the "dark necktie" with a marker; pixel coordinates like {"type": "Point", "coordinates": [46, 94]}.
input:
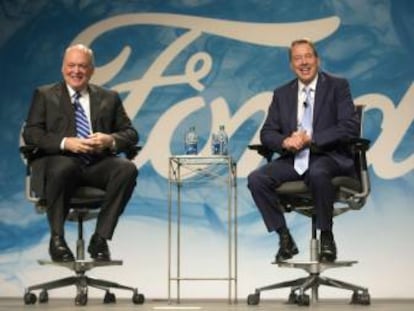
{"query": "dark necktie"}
{"type": "Point", "coordinates": [83, 129]}
{"type": "Point", "coordinates": [302, 158]}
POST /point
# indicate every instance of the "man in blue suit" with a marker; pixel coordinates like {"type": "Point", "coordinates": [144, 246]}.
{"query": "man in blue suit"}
{"type": "Point", "coordinates": [332, 118]}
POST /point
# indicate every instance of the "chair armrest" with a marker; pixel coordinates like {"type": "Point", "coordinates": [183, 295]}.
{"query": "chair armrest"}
{"type": "Point", "coordinates": [263, 151]}
{"type": "Point", "coordinates": [360, 145]}
{"type": "Point", "coordinates": [132, 151]}
{"type": "Point", "coordinates": [30, 152]}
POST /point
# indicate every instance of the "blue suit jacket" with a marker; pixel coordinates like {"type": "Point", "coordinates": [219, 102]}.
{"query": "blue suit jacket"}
{"type": "Point", "coordinates": [334, 120]}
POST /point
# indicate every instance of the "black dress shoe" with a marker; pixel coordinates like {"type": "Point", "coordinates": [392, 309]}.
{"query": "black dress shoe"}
{"type": "Point", "coordinates": [287, 247]}
{"type": "Point", "coordinates": [59, 250]}
{"type": "Point", "coordinates": [98, 248]}
{"type": "Point", "coordinates": [328, 249]}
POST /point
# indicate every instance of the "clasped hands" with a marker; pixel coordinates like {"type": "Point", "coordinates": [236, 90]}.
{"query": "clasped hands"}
{"type": "Point", "coordinates": [94, 143]}
{"type": "Point", "coordinates": [297, 141]}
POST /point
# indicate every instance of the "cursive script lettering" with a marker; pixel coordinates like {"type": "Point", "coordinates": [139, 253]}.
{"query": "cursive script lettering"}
{"type": "Point", "coordinates": [396, 121]}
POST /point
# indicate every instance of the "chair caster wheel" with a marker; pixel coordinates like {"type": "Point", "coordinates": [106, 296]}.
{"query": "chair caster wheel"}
{"type": "Point", "coordinates": [138, 299]}
{"type": "Point", "coordinates": [293, 298]}
{"type": "Point", "coordinates": [253, 299]}
{"type": "Point", "coordinates": [29, 298]}
{"type": "Point", "coordinates": [81, 299]}
{"type": "Point", "coordinates": [43, 296]}
{"type": "Point", "coordinates": [361, 298]}
{"type": "Point", "coordinates": [303, 300]}
{"type": "Point", "coordinates": [109, 297]}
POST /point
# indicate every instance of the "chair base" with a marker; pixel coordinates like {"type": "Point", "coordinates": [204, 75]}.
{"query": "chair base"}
{"type": "Point", "coordinates": [81, 266]}
{"type": "Point", "coordinates": [313, 281]}
{"type": "Point", "coordinates": [82, 282]}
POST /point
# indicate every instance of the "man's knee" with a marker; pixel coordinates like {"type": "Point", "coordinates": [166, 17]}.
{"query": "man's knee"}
{"type": "Point", "coordinates": [127, 169]}
{"type": "Point", "coordinates": [251, 179]}
{"type": "Point", "coordinates": [132, 170]}
{"type": "Point", "coordinates": [256, 180]}
{"type": "Point", "coordinates": [320, 174]}
{"type": "Point", "coordinates": [61, 168]}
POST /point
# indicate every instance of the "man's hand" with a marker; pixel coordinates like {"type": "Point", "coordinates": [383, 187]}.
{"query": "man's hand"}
{"type": "Point", "coordinates": [100, 141]}
{"type": "Point", "coordinates": [297, 141]}
{"type": "Point", "coordinates": [94, 143]}
{"type": "Point", "coordinates": [78, 145]}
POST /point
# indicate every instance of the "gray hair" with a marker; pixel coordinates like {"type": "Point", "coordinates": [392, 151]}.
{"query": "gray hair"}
{"type": "Point", "coordinates": [84, 49]}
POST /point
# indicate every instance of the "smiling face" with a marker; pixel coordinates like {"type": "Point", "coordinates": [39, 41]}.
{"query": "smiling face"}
{"type": "Point", "coordinates": [304, 61]}
{"type": "Point", "coordinates": [77, 67]}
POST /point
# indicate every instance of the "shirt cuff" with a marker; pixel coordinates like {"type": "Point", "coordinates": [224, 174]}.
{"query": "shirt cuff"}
{"type": "Point", "coordinates": [62, 144]}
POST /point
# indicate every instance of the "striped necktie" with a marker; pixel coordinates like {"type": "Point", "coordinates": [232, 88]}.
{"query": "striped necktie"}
{"type": "Point", "coordinates": [83, 129]}
{"type": "Point", "coordinates": [302, 158]}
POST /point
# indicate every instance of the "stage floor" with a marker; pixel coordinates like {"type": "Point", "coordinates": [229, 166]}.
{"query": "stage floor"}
{"type": "Point", "coordinates": [56, 304]}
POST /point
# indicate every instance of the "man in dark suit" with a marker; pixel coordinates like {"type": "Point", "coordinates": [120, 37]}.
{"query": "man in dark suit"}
{"type": "Point", "coordinates": [69, 159]}
{"type": "Point", "coordinates": [332, 118]}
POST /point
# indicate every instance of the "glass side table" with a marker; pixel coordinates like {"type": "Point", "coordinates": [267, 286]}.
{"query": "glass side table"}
{"type": "Point", "coordinates": [186, 168]}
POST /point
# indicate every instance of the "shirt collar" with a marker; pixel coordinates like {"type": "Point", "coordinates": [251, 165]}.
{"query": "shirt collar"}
{"type": "Point", "coordinates": [72, 91]}
{"type": "Point", "coordinates": [311, 85]}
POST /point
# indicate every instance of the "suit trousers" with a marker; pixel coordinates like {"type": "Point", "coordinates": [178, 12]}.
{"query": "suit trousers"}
{"type": "Point", "coordinates": [116, 175]}
{"type": "Point", "coordinates": [263, 181]}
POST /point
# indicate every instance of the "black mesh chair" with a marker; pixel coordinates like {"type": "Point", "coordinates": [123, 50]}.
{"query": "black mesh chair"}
{"type": "Point", "coordinates": [351, 194]}
{"type": "Point", "coordinates": [84, 206]}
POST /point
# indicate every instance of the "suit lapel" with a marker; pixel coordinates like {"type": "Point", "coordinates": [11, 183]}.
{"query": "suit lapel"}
{"type": "Point", "coordinates": [64, 98]}
{"type": "Point", "coordinates": [293, 111]}
{"type": "Point", "coordinates": [65, 104]}
{"type": "Point", "coordinates": [94, 102]}
{"type": "Point", "coordinates": [320, 94]}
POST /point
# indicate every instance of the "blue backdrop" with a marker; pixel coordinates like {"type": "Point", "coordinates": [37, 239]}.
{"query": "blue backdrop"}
{"type": "Point", "coordinates": [182, 62]}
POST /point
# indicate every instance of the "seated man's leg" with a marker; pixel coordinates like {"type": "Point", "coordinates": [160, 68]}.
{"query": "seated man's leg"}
{"type": "Point", "coordinates": [321, 171]}
{"type": "Point", "coordinates": [62, 174]}
{"type": "Point", "coordinates": [117, 176]}
{"type": "Point", "coordinates": [262, 184]}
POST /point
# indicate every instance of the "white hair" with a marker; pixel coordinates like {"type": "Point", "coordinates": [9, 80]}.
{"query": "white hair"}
{"type": "Point", "coordinates": [84, 49]}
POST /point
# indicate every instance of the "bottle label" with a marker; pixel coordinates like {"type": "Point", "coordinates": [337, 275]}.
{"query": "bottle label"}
{"type": "Point", "coordinates": [223, 148]}
{"type": "Point", "coordinates": [216, 147]}
{"type": "Point", "coordinates": [191, 149]}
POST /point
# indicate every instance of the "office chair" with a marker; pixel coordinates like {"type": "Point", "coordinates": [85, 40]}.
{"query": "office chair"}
{"type": "Point", "coordinates": [84, 205]}
{"type": "Point", "coordinates": [351, 194]}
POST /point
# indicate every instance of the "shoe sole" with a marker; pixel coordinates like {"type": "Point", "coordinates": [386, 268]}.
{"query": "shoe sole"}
{"type": "Point", "coordinates": [327, 258]}
{"type": "Point", "coordinates": [293, 252]}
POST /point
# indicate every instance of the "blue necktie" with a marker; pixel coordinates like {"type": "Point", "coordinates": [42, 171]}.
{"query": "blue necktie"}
{"type": "Point", "coordinates": [82, 123]}
{"type": "Point", "coordinates": [83, 129]}
{"type": "Point", "coordinates": [302, 158]}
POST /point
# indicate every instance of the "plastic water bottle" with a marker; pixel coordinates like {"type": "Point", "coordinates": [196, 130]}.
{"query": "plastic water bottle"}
{"type": "Point", "coordinates": [223, 141]}
{"type": "Point", "coordinates": [191, 141]}
{"type": "Point", "coordinates": [215, 144]}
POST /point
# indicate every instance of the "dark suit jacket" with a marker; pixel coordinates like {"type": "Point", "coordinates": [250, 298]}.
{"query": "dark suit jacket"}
{"type": "Point", "coordinates": [334, 120]}
{"type": "Point", "coordinates": [51, 118]}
